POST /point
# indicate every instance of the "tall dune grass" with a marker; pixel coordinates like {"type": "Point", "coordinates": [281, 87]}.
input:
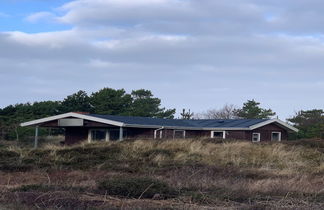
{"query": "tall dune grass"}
{"type": "Point", "coordinates": [201, 172]}
{"type": "Point", "coordinates": [280, 157]}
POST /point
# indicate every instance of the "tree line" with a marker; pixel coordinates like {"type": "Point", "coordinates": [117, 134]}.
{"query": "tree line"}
{"type": "Point", "coordinates": [142, 103]}
{"type": "Point", "coordinates": [105, 101]}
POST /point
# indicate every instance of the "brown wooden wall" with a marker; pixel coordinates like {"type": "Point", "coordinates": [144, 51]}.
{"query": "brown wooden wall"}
{"type": "Point", "coordinates": [139, 133]}
{"type": "Point", "coordinates": [266, 131]}
{"type": "Point", "coordinates": [75, 135]}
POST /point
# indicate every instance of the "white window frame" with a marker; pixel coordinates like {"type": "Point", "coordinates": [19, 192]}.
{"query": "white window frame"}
{"type": "Point", "coordinates": [278, 133]}
{"type": "Point", "coordinates": [212, 135]}
{"type": "Point", "coordinates": [259, 137]}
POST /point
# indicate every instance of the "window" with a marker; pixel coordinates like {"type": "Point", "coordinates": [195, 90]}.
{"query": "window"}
{"type": "Point", "coordinates": [276, 136]}
{"type": "Point", "coordinates": [256, 137]}
{"type": "Point", "coordinates": [178, 134]}
{"type": "Point", "coordinates": [98, 135]}
{"type": "Point", "coordinates": [218, 134]}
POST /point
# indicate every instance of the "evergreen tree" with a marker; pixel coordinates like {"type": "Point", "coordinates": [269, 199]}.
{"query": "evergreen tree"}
{"type": "Point", "coordinates": [145, 105]}
{"type": "Point", "coordinates": [77, 102]}
{"type": "Point", "coordinates": [310, 123]}
{"type": "Point", "coordinates": [112, 102]}
{"type": "Point", "coordinates": [251, 110]}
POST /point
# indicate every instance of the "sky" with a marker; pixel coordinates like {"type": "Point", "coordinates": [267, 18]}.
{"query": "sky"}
{"type": "Point", "coordinates": [193, 54]}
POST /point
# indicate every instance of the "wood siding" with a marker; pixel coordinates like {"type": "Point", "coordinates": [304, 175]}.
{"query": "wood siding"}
{"type": "Point", "coordinates": [266, 131]}
{"type": "Point", "coordinates": [75, 135]}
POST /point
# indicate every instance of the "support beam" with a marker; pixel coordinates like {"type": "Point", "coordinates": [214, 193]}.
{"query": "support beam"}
{"type": "Point", "coordinates": [155, 132]}
{"type": "Point", "coordinates": [121, 133]}
{"type": "Point", "coordinates": [89, 136]}
{"type": "Point", "coordinates": [36, 138]}
{"type": "Point", "coordinates": [107, 135]}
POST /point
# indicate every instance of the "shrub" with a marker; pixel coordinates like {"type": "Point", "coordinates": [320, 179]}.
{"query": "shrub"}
{"type": "Point", "coordinates": [136, 187]}
{"type": "Point", "coordinates": [32, 187]}
{"type": "Point", "coordinates": [5, 154]}
{"type": "Point", "coordinates": [47, 188]}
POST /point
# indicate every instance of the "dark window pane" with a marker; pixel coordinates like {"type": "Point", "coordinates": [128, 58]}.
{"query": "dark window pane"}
{"type": "Point", "coordinates": [218, 134]}
{"type": "Point", "coordinates": [98, 135]}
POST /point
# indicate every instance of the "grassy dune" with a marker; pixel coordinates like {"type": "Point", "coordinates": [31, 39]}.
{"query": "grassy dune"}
{"type": "Point", "coordinates": [178, 174]}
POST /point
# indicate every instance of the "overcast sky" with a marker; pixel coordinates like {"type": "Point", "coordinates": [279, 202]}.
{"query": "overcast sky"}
{"type": "Point", "coordinates": [196, 54]}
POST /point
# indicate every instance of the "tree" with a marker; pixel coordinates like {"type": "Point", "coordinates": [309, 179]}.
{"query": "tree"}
{"type": "Point", "coordinates": [186, 115]}
{"type": "Point", "coordinates": [251, 110]}
{"type": "Point", "coordinates": [12, 116]}
{"type": "Point", "coordinates": [310, 123]}
{"type": "Point", "coordinates": [145, 105]}
{"type": "Point", "coordinates": [77, 102]}
{"type": "Point", "coordinates": [226, 112]}
{"type": "Point", "coordinates": [42, 109]}
{"type": "Point", "coordinates": [111, 101]}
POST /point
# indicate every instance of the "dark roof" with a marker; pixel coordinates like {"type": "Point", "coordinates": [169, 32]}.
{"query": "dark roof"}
{"type": "Point", "coordinates": [232, 123]}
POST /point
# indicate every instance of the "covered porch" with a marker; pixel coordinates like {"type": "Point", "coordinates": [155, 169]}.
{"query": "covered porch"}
{"type": "Point", "coordinates": [78, 130]}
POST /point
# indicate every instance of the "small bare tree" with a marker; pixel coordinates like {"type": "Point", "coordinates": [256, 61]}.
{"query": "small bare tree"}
{"type": "Point", "coordinates": [226, 112]}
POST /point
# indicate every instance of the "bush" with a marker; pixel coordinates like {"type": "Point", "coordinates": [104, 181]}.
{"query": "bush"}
{"type": "Point", "coordinates": [5, 154]}
{"type": "Point", "coordinates": [47, 188]}
{"type": "Point", "coordinates": [136, 187]}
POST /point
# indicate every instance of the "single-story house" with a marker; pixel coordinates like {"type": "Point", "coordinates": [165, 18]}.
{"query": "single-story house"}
{"type": "Point", "coordinates": [93, 127]}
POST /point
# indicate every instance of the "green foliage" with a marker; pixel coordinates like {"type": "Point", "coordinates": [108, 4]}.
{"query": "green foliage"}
{"type": "Point", "coordinates": [136, 187]}
{"type": "Point", "coordinates": [11, 117]}
{"type": "Point", "coordinates": [251, 110]}
{"type": "Point", "coordinates": [310, 123]}
{"type": "Point", "coordinates": [111, 101]}
{"type": "Point", "coordinates": [146, 106]}
{"type": "Point", "coordinates": [77, 102]}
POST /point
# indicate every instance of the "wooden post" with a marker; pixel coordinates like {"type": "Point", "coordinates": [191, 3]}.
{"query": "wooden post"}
{"type": "Point", "coordinates": [107, 135]}
{"type": "Point", "coordinates": [155, 132]}
{"type": "Point", "coordinates": [120, 133]}
{"type": "Point", "coordinates": [36, 137]}
{"type": "Point", "coordinates": [89, 136]}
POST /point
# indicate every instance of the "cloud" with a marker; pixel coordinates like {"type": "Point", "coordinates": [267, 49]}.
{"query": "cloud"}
{"type": "Point", "coordinates": [40, 16]}
{"type": "Point", "coordinates": [4, 15]}
{"type": "Point", "coordinates": [192, 54]}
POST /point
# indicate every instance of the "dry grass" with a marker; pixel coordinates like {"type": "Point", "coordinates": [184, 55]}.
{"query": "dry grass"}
{"type": "Point", "coordinates": [286, 159]}
{"type": "Point", "coordinates": [204, 174]}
